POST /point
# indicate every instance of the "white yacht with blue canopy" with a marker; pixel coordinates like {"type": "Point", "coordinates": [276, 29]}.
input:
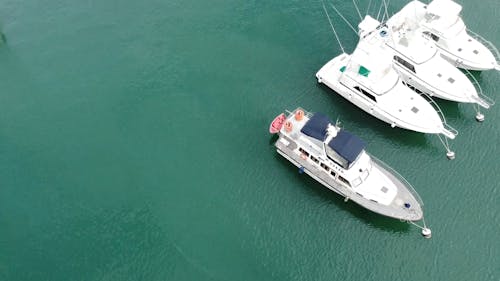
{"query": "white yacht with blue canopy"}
{"type": "Point", "coordinates": [440, 22]}
{"type": "Point", "coordinates": [337, 159]}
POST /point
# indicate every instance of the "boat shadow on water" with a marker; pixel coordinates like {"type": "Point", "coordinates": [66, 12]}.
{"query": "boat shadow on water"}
{"type": "Point", "coordinates": [316, 189]}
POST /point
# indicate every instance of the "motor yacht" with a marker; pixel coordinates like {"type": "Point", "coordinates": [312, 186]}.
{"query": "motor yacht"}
{"type": "Point", "coordinates": [337, 159]}
{"type": "Point", "coordinates": [440, 22]}
{"type": "Point", "coordinates": [367, 79]}
{"type": "Point", "coordinates": [418, 62]}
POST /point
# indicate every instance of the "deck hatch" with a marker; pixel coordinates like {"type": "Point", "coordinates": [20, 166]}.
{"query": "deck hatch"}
{"type": "Point", "coordinates": [414, 109]}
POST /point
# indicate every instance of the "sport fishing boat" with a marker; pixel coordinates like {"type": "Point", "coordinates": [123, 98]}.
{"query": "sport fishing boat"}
{"type": "Point", "coordinates": [338, 160]}
{"type": "Point", "coordinates": [441, 23]}
{"type": "Point", "coordinates": [367, 79]}
{"type": "Point", "coordinates": [418, 62]}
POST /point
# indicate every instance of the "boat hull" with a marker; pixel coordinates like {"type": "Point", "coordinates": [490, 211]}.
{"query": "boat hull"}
{"type": "Point", "coordinates": [469, 65]}
{"type": "Point", "coordinates": [395, 210]}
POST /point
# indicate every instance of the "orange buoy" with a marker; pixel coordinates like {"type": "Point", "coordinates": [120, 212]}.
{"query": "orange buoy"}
{"type": "Point", "coordinates": [299, 114]}
{"type": "Point", "coordinates": [288, 126]}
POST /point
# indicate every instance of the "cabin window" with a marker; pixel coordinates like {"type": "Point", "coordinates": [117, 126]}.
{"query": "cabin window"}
{"type": "Point", "coordinates": [332, 173]}
{"type": "Point", "coordinates": [303, 151]}
{"type": "Point", "coordinates": [368, 95]}
{"type": "Point", "coordinates": [344, 180]}
{"type": "Point", "coordinates": [432, 36]}
{"type": "Point", "coordinates": [314, 159]}
{"type": "Point", "coordinates": [404, 63]}
{"type": "Point", "coordinates": [413, 88]}
{"type": "Point", "coordinates": [325, 167]}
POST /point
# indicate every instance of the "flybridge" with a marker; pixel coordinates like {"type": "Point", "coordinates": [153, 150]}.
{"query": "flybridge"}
{"type": "Point", "coordinates": [346, 168]}
{"type": "Point", "coordinates": [344, 146]}
{"type": "Point", "coordinates": [347, 145]}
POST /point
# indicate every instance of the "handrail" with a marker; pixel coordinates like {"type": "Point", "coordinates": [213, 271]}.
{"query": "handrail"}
{"type": "Point", "coordinates": [440, 113]}
{"type": "Point", "coordinates": [489, 101]}
{"type": "Point", "coordinates": [399, 177]}
{"type": "Point", "coordinates": [488, 45]}
{"type": "Point", "coordinates": [437, 108]}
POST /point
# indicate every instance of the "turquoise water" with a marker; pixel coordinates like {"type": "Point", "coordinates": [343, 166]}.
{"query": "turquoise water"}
{"type": "Point", "coordinates": [134, 146]}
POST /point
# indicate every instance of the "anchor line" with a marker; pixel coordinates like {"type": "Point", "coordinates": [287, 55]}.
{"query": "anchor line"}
{"type": "Point", "coordinates": [418, 226]}
{"type": "Point", "coordinates": [356, 6]}
{"type": "Point", "coordinates": [379, 10]}
{"type": "Point", "coordinates": [368, 8]}
{"type": "Point", "coordinates": [345, 20]}
{"type": "Point", "coordinates": [385, 8]}
{"type": "Point", "coordinates": [333, 28]}
{"type": "Point", "coordinates": [444, 141]}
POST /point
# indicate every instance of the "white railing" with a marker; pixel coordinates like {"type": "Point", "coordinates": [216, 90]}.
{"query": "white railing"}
{"type": "Point", "coordinates": [436, 107]}
{"type": "Point", "coordinates": [483, 98]}
{"type": "Point", "coordinates": [488, 45]}
{"type": "Point", "coordinates": [399, 177]}
{"type": "Point", "coordinates": [441, 114]}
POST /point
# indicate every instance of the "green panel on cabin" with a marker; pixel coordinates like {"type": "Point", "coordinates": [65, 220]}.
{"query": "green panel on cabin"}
{"type": "Point", "coordinates": [342, 69]}
{"type": "Point", "coordinates": [363, 71]}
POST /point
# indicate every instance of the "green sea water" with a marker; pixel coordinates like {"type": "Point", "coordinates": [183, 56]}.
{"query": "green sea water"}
{"type": "Point", "coordinates": [134, 146]}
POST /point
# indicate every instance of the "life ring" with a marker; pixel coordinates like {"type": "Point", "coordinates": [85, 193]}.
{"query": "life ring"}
{"type": "Point", "coordinates": [303, 156]}
{"type": "Point", "coordinates": [288, 126]}
{"type": "Point", "coordinates": [299, 114]}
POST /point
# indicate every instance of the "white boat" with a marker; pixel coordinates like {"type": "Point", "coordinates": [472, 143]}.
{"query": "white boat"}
{"type": "Point", "coordinates": [418, 62]}
{"type": "Point", "coordinates": [367, 79]}
{"type": "Point", "coordinates": [338, 160]}
{"type": "Point", "coordinates": [441, 23]}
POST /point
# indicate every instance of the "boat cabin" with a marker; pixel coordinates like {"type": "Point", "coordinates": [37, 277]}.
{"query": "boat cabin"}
{"type": "Point", "coordinates": [340, 146]}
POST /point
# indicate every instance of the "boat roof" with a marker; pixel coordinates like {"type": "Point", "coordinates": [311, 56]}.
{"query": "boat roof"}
{"type": "Point", "coordinates": [316, 126]}
{"type": "Point", "coordinates": [347, 145]}
{"type": "Point", "coordinates": [444, 8]}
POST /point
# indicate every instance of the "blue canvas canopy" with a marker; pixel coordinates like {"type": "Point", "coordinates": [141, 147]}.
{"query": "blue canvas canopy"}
{"type": "Point", "coordinates": [316, 126]}
{"type": "Point", "coordinates": [347, 145]}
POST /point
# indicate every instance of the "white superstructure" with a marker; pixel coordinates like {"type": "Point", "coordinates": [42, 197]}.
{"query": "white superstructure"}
{"type": "Point", "coordinates": [367, 79]}
{"type": "Point", "coordinates": [442, 25]}
{"type": "Point", "coordinates": [418, 62]}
